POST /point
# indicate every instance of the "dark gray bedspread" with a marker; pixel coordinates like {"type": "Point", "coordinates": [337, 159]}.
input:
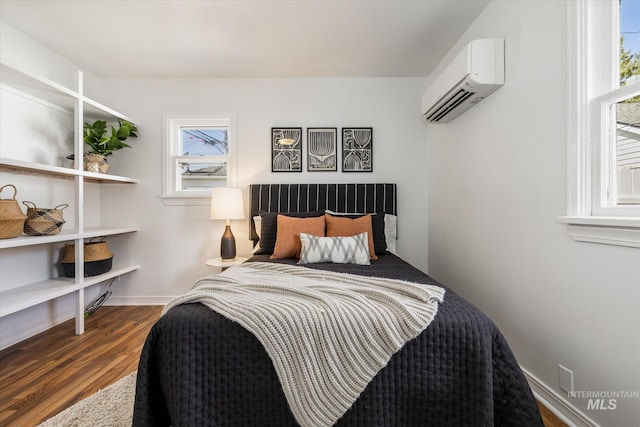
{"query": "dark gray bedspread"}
{"type": "Point", "coordinates": [198, 368]}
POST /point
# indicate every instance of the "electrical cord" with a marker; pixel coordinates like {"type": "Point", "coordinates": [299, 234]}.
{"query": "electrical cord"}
{"type": "Point", "coordinates": [97, 303]}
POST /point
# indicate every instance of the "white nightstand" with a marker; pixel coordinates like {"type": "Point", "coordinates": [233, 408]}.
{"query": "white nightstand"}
{"type": "Point", "coordinates": [218, 262]}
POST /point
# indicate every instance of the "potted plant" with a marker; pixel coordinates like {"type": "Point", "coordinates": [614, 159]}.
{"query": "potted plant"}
{"type": "Point", "coordinates": [95, 136]}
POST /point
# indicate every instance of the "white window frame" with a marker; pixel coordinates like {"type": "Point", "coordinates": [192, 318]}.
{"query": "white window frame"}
{"type": "Point", "coordinates": [173, 124]}
{"type": "Point", "coordinates": [605, 195]}
{"type": "Point", "coordinates": [590, 218]}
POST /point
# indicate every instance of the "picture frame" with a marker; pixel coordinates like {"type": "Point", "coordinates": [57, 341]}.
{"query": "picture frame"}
{"type": "Point", "coordinates": [322, 149]}
{"type": "Point", "coordinates": [357, 149]}
{"type": "Point", "coordinates": [286, 149]}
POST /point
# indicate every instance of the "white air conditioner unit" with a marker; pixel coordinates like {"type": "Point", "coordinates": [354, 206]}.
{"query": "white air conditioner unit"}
{"type": "Point", "coordinates": [474, 74]}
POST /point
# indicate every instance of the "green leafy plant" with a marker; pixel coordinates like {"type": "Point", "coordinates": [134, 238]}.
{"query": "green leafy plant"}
{"type": "Point", "coordinates": [95, 136]}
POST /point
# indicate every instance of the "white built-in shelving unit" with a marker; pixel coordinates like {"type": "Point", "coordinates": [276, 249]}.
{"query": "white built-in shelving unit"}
{"type": "Point", "coordinates": [14, 299]}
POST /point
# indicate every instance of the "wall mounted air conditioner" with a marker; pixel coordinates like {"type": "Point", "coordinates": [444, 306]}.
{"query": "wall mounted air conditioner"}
{"type": "Point", "coordinates": [474, 74]}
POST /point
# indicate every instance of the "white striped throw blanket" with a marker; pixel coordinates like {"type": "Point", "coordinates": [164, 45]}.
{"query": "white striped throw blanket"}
{"type": "Point", "coordinates": [327, 333]}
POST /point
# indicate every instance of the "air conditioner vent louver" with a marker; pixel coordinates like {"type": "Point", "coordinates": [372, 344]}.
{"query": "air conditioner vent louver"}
{"type": "Point", "coordinates": [473, 75]}
{"type": "Point", "coordinates": [440, 111]}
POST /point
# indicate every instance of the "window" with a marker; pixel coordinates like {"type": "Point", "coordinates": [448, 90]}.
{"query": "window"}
{"type": "Point", "coordinates": [604, 122]}
{"type": "Point", "coordinates": [617, 129]}
{"type": "Point", "coordinates": [627, 112]}
{"type": "Point", "coordinates": [200, 154]}
{"type": "Point", "coordinates": [628, 152]}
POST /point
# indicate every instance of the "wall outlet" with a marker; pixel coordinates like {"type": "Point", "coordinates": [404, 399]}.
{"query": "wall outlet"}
{"type": "Point", "coordinates": [566, 379]}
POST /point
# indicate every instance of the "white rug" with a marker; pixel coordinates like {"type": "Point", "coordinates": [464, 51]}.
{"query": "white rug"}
{"type": "Point", "coordinates": [110, 407]}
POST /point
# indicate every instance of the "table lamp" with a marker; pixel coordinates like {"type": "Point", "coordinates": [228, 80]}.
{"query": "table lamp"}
{"type": "Point", "coordinates": [227, 203]}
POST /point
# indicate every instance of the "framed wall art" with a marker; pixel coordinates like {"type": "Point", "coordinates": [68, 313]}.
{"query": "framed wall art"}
{"type": "Point", "coordinates": [322, 153]}
{"type": "Point", "coordinates": [357, 149]}
{"type": "Point", "coordinates": [286, 149]}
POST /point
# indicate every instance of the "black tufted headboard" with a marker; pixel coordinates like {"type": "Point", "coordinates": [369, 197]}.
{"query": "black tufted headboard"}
{"type": "Point", "coordinates": [356, 198]}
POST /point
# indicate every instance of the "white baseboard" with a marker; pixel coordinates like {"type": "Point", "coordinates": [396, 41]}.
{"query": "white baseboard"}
{"type": "Point", "coordinates": [139, 300]}
{"type": "Point", "coordinates": [557, 404]}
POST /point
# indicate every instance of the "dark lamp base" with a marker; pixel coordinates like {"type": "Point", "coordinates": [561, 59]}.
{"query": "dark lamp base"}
{"type": "Point", "coordinates": [228, 245]}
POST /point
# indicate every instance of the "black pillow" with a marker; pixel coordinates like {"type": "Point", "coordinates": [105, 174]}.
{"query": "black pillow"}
{"type": "Point", "coordinates": [377, 226]}
{"type": "Point", "coordinates": [269, 228]}
{"type": "Point", "coordinates": [379, 239]}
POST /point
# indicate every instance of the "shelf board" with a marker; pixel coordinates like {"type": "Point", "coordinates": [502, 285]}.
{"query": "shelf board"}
{"type": "Point", "coordinates": [63, 236]}
{"type": "Point", "coordinates": [25, 240]}
{"type": "Point", "coordinates": [20, 166]}
{"type": "Point", "coordinates": [103, 231]}
{"type": "Point", "coordinates": [26, 296]}
{"type": "Point", "coordinates": [38, 86]}
{"type": "Point", "coordinates": [114, 272]}
{"type": "Point", "coordinates": [44, 88]}
{"type": "Point", "coordinates": [30, 168]}
{"type": "Point", "coordinates": [96, 110]}
{"type": "Point", "coordinates": [104, 178]}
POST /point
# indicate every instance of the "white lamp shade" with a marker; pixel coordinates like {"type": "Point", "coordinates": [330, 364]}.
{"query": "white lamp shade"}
{"type": "Point", "coordinates": [227, 203]}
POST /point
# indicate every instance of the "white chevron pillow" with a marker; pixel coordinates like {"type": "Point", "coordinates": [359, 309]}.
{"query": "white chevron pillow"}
{"type": "Point", "coordinates": [339, 250]}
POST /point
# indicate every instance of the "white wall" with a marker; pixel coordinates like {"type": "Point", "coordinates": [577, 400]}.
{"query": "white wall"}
{"type": "Point", "coordinates": [23, 52]}
{"type": "Point", "coordinates": [497, 178]}
{"type": "Point", "coordinates": [174, 241]}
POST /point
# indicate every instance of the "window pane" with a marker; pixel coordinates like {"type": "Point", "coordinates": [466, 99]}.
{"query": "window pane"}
{"type": "Point", "coordinates": [201, 176]}
{"type": "Point", "coordinates": [629, 41]}
{"type": "Point", "coordinates": [628, 151]}
{"type": "Point", "coordinates": [204, 141]}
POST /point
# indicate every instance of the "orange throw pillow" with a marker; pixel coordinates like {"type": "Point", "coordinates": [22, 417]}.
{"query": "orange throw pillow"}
{"type": "Point", "coordinates": [288, 235]}
{"type": "Point", "coordinates": [341, 226]}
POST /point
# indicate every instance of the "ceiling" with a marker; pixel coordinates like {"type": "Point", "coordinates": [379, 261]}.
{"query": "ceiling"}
{"type": "Point", "coordinates": [246, 38]}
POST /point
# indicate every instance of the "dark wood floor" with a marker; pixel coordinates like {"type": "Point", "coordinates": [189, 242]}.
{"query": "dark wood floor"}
{"type": "Point", "coordinates": [49, 372]}
{"type": "Point", "coordinates": [549, 419]}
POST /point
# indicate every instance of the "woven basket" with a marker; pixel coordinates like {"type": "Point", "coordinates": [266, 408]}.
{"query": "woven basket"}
{"type": "Point", "coordinates": [11, 216]}
{"type": "Point", "coordinates": [98, 259]}
{"type": "Point", "coordinates": [43, 222]}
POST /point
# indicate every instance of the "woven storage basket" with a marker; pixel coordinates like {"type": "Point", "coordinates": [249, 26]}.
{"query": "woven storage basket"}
{"type": "Point", "coordinates": [98, 259]}
{"type": "Point", "coordinates": [43, 222]}
{"type": "Point", "coordinates": [11, 216]}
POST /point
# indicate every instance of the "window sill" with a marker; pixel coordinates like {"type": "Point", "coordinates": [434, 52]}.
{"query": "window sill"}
{"type": "Point", "coordinates": [617, 231]}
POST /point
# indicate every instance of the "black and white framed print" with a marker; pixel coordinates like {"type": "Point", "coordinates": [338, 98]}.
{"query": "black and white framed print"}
{"type": "Point", "coordinates": [357, 149]}
{"type": "Point", "coordinates": [322, 152]}
{"type": "Point", "coordinates": [286, 149]}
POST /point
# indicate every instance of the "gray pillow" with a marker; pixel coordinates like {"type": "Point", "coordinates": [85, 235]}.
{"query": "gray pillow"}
{"type": "Point", "coordinates": [338, 250]}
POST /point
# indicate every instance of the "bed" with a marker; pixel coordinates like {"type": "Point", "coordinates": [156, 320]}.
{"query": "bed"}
{"type": "Point", "coordinates": [198, 368]}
